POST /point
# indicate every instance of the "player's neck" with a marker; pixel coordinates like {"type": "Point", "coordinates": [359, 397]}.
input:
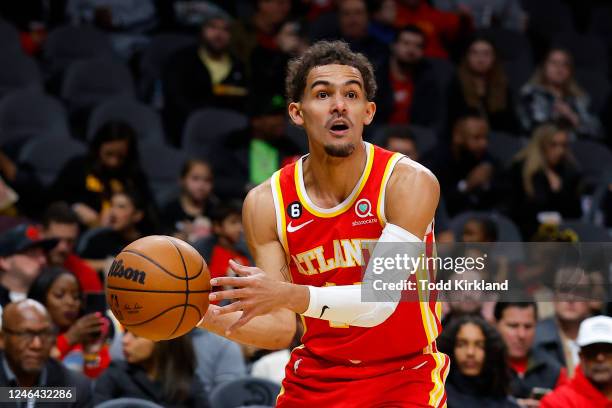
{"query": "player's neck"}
{"type": "Point", "coordinates": [330, 180]}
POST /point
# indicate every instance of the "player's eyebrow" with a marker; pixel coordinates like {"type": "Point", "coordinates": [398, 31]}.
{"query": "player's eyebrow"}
{"type": "Point", "coordinates": [327, 83]}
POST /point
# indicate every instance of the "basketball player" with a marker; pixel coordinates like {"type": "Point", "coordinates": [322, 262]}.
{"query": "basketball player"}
{"type": "Point", "coordinates": [304, 227]}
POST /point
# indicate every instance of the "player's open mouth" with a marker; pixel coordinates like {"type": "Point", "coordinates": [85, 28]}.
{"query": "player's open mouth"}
{"type": "Point", "coordinates": [339, 129]}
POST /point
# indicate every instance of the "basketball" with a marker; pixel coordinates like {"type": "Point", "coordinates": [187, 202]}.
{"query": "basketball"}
{"type": "Point", "coordinates": [157, 287]}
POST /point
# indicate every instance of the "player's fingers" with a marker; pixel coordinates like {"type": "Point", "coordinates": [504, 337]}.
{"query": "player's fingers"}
{"type": "Point", "coordinates": [241, 270]}
{"type": "Point", "coordinates": [232, 307]}
{"type": "Point", "coordinates": [230, 281]}
{"type": "Point", "coordinates": [227, 294]}
{"type": "Point", "coordinates": [244, 319]}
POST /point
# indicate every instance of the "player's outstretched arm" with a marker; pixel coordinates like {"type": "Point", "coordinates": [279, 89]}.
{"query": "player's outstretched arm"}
{"type": "Point", "coordinates": [261, 322]}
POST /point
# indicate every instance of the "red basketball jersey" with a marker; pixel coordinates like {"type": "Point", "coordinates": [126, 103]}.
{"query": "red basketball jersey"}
{"type": "Point", "coordinates": [323, 247]}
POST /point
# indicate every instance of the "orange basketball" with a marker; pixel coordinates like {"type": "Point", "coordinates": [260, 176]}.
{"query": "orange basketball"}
{"type": "Point", "coordinates": [157, 287]}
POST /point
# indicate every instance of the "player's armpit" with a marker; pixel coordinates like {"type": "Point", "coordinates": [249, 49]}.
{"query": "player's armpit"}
{"type": "Point", "coordinates": [411, 186]}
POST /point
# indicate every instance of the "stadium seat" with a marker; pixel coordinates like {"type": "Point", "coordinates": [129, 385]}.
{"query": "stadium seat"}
{"type": "Point", "coordinates": [27, 112]}
{"type": "Point", "coordinates": [504, 146]}
{"type": "Point", "coordinates": [155, 56]}
{"type": "Point", "coordinates": [163, 179]}
{"type": "Point", "coordinates": [589, 51]}
{"type": "Point", "coordinates": [587, 232]}
{"type": "Point", "coordinates": [18, 71]}
{"type": "Point", "coordinates": [244, 391]}
{"type": "Point", "coordinates": [89, 82]}
{"type": "Point", "coordinates": [549, 16]}
{"type": "Point", "coordinates": [128, 403]}
{"type": "Point", "coordinates": [596, 84]}
{"type": "Point", "coordinates": [48, 155]}
{"type": "Point", "coordinates": [593, 213]}
{"type": "Point", "coordinates": [88, 235]}
{"type": "Point", "coordinates": [601, 16]}
{"type": "Point", "coordinates": [593, 158]}
{"type": "Point", "coordinates": [444, 69]}
{"type": "Point", "coordinates": [206, 126]}
{"type": "Point", "coordinates": [69, 43]}
{"type": "Point", "coordinates": [143, 119]}
{"type": "Point", "coordinates": [9, 38]}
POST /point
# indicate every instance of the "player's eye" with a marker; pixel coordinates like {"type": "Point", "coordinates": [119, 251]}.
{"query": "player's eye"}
{"type": "Point", "coordinates": [322, 94]}
{"type": "Point", "coordinates": [351, 94]}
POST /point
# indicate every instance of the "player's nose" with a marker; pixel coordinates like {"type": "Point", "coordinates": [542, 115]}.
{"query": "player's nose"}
{"type": "Point", "coordinates": [338, 104]}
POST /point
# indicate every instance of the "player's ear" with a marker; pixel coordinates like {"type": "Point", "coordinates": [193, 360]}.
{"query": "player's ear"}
{"type": "Point", "coordinates": [370, 111]}
{"type": "Point", "coordinates": [295, 113]}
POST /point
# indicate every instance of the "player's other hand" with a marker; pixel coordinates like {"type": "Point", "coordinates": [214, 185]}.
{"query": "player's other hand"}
{"type": "Point", "coordinates": [253, 293]}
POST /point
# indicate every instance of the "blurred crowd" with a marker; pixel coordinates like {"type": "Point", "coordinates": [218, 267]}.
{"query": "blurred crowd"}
{"type": "Point", "coordinates": [120, 119]}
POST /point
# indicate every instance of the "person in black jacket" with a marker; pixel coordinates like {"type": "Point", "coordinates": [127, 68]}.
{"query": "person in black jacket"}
{"type": "Point", "coordinates": [88, 182]}
{"type": "Point", "coordinates": [204, 75]}
{"type": "Point", "coordinates": [479, 375]}
{"type": "Point", "coordinates": [408, 90]}
{"type": "Point", "coordinates": [162, 372]}
{"type": "Point", "coordinates": [28, 334]}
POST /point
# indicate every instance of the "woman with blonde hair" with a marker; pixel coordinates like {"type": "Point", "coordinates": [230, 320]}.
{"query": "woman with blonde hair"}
{"type": "Point", "coordinates": [552, 94]}
{"type": "Point", "coordinates": [544, 180]}
{"type": "Point", "coordinates": [482, 84]}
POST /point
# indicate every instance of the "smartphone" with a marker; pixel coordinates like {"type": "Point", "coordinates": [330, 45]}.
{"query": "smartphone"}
{"type": "Point", "coordinates": [538, 393]}
{"type": "Point", "coordinates": [95, 302]}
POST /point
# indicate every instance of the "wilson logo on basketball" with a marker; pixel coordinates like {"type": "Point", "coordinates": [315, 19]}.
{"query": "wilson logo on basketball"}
{"type": "Point", "coordinates": [117, 270]}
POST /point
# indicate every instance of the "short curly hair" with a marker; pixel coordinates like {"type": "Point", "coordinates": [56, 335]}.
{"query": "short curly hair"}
{"type": "Point", "coordinates": [327, 53]}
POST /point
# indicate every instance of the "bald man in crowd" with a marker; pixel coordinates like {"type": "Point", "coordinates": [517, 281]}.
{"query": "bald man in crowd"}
{"type": "Point", "coordinates": [28, 336]}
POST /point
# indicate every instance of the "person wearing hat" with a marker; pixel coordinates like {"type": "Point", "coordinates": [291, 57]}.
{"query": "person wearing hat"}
{"type": "Point", "coordinates": [204, 75]}
{"type": "Point", "coordinates": [591, 386]}
{"type": "Point", "coordinates": [22, 256]}
{"type": "Point", "coordinates": [247, 157]}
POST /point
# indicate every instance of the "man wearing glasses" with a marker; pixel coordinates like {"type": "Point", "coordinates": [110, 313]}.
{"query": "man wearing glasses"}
{"type": "Point", "coordinates": [28, 336]}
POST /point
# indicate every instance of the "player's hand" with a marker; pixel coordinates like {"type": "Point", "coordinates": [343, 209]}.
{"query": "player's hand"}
{"type": "Point", "coordinates": [254, 293]}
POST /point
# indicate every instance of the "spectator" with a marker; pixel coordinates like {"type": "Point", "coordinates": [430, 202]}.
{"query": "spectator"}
{"type": "Point", "coordinates": [465, 169]}
{"type": "Point", "coordinates": [383, 18]}
{"type": "Point", "coordinates": [400, 139]}
{"type": "Point", "coordinates": [162, 372]}
{"type": "Point", "coordinates": [552, 94]}
{"type": "Point", "coordinates": [127, 22]}
{"type": "Point", "coordinates": [481, 84]}
{"type": "Point", "coordinates": [557, 335]}
{"type": "Point", "coordinates": [219, 360]}
{"type": "Point", "coordinates": [22, 255]}
{"type": "Point", "coordinates": [543, 178]}
{"type": "Point", "coordinates": [261, 28]}
{"type": "Point", "coordinates": [479, 229]}
{"type": "Point", "coordinates": [28, 335]}
{"type": "Point", "coordinates": [442, 29]}
{"type": "Point", "coordinates": [81, 341]}
{"type": "Point", "coordinates": [479, 374]}
{"type": "Point", "coordinates": [205, 75]}
{"type": "Point", "coordinates": [506, 14]}
{"type": "Point", "coordinates": [248, 157]}
{"type": "Point", "coordinates": [88, 182]}
{"type": "Point", "coordinates": [591, 386]}
{"type": "Point", "coordinates": [408, 86]}
{"type": "Point", "coordinates": [188, 215]}
{"type": "Point", "coordinates": [127, 214]}
{"type": "Point", "coordinates": [189, 15]}
{"type": "Point", "coordinates": [531, 368]}
{"type": "Point", "coordinates": [353, 20]}
{"type": "Point", "coordinates": [60, 222]}
{"type": "Point", "coordinates": [225, 242]}
{"type": "Point", "coordinates": [467, 302]}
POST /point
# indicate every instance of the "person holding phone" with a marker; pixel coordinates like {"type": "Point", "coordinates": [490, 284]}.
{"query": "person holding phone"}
{"type": "Point", "coordinates": [81, 343]}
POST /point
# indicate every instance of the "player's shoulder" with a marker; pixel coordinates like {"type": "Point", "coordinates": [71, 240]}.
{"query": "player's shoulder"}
{"type": "Point", "coordinates": [411, 175]}
{"type": "Point", "coordinates": [259, 202]}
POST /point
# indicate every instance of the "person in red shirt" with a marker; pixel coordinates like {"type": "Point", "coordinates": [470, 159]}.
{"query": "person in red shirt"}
{"type": "Point", "coordinates": [61, 222]}
{"type": "Point", "coordinates": [591, 386]}
{"type": "Point", "coordinates": [441, 28]}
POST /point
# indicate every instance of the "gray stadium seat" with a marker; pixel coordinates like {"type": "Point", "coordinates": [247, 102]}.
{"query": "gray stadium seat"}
{"type": "Point", "coordinates": [504, 146]}
{"type": "Point", "coordinates": [128, 403]}
{"type": "Point", "coordinates": [596, 84]}
{"type": "Point", "coordinates": [142, 118]}
{"type": "Point", "coordinates": [163, 179]}
{"type": "Point", "coordinates": [587, 232]}
{"type": "Point", "coordinates": [154, 57]}
{"type": "Point", "coordinates": [87, 236]}
{"type": "Point", "coordinates": [89, 82]}
{"type": "Point", "coordinates": [206, 126]}
{"type": "Point", "coordinates": [244, 392]}
{"type": "Point", "coordinates": [9, 38]}
{"type": "Point", "coordinates": [28, 112]}
{"type": "Point", "coordinates": [70, 43]}
{"type": "Point", "coordinates": [48, 155]}
{"type": "Point", "coordinates": [18, 71]}
{"type": "Point", "coordinates": [589, 51]}
{"type": "Point", "coordinates": [593, 158]}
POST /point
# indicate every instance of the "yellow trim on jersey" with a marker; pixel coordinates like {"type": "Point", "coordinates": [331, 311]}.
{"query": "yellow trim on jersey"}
{"type": "Point", "coordinates": [342, 207]}
{"type": "Point", "coordinates": [438, 378]}
{"type": "Point", "coordinates": [380, 205]}
{"type": "Point", "coordinates": [279, 209]}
